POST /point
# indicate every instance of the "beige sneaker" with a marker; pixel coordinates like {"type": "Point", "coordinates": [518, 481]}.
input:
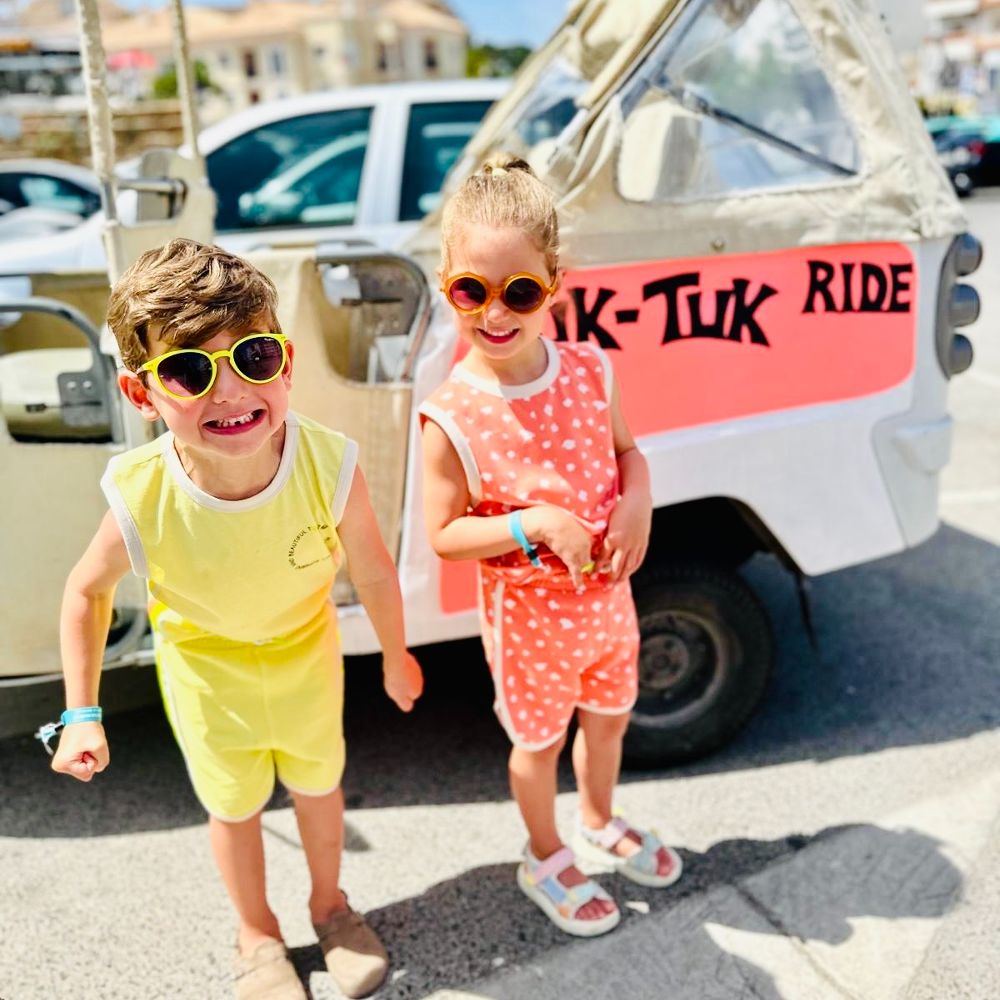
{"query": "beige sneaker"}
{"type": "Point", "coordinates": [267, 975]}
{"type": "Point", "coordinates": [355, 957]}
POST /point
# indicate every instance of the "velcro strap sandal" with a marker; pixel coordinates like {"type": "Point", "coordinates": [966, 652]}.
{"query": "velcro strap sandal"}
{"type": "Point", "coordinates": [539, 881]}
{"type": "Point", "coordinates": [641, 867]}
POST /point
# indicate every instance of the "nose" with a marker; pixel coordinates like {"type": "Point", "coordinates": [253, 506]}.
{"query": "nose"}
{"type": "Point", "coordinates": [228, 384]}
{"type": "Point", "coordinates": [496, 313]}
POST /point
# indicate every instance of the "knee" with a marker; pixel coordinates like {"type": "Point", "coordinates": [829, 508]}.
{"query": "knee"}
{"type": "Point", "coordinates": [601, 728]}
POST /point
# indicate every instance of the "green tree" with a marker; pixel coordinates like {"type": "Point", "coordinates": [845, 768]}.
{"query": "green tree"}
{"type": "Point", "coordinates": [489, 60]}
{"type": "Point", "coordinates": [165, 85]}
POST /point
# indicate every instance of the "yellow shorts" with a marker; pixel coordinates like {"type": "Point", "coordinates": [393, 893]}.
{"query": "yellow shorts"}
{"type": "Point", "coordinates": [243, 712]}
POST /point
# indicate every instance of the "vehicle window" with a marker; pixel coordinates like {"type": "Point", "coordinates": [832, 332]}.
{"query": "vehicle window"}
{"type": "Point", "coordinates": [732, 99]}
{"type": "Point", "coordinates": [435, 136]}
{"type": "Point", "coordinates": [44, 191]}
{"type": "Point", "coordinates": [300, 171]}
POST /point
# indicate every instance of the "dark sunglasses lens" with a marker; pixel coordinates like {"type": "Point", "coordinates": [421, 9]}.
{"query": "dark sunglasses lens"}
{"type": "Point", "coordinates": [523, 295]}
{"type": "Point", "coordinates": [259, 358]}
{"type": "Point", "coordinates": [467, 293]}
{"type": "Point", "coordinates": [185, 374]}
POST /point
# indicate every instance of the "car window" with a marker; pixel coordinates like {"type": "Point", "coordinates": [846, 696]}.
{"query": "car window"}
{"type": "Point", "coordinates": [45, 191]}
{"type": "Point", "coordinates": [435, 136]}
{"type": "Point", "coordinates": [299, 171]}
{"type": "Point", "coordinates": [732, 99]}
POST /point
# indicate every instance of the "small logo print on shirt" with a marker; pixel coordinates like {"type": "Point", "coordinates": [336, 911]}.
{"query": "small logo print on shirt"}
{"type": "Point", "coordinates": [310, 546]}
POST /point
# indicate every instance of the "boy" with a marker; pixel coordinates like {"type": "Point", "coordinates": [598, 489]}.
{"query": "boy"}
{"type": "Point", "coordinates": [238, 518]}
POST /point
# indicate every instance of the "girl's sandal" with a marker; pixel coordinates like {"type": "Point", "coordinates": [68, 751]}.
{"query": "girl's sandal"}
{"type": "Point", "coordinates": [641, 867]}
{"type": "Point", "coordinates": [539, 881]}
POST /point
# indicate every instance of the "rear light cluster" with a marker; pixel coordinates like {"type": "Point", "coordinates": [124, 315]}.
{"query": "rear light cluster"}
{"type": "Point", "coordinates": [958, 304]}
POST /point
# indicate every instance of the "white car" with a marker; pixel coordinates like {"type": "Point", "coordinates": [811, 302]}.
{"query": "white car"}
{"type": "Point", "coordinates": [359, 164]}
{"type": "Point", "coordinates": [39, 197]}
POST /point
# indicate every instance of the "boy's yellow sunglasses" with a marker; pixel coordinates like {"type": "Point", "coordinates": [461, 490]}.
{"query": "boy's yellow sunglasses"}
{"type": "Point", "coordinates": [189, 373]}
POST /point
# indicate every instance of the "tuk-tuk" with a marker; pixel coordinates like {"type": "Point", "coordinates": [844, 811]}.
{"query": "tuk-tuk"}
{"type": "Point", "coordinates": [755, 228]}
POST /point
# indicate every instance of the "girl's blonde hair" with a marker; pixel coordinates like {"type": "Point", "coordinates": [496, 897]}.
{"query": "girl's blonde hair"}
{"type": "Point", "coordinates": [503, 193]}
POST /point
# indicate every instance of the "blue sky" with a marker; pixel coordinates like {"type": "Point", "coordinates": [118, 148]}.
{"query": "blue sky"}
{"type": "Point", "coordinates": [510, 22]}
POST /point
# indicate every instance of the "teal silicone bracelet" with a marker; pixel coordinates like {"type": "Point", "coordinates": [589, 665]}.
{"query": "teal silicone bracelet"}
{"type": "Point", "coordinates": [92, 713]}
{"type": "Point", "coordinates": [517, 530]}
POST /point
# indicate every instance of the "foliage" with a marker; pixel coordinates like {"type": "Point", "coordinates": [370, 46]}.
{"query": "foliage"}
{"type": "Point", "coordinates": [489, 60]}
{"type": "Point", "coordinates": [165, 85]}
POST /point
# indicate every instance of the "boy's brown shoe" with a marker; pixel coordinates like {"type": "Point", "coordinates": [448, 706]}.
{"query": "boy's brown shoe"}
{"type": "Point", "coordinates": [267, 975]}
{"type": "Point", "coordinates": [355, 957]}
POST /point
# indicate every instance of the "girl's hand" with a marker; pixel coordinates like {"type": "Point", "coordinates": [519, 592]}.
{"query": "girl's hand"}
{"type": "Point", "coordinates": [563, 534]}
{"type": "Point", "coordinates": [83, 750]}
{"type": "Point", "coordinates": [627, 539]}
{"type": "Point", "coordinates": [404, 680]}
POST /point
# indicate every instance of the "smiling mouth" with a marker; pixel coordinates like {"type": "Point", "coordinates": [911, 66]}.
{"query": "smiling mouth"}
{"type": "Point", "coordinates": [236, 424]}
{"type": "Point", "coordinates": [498, 336]}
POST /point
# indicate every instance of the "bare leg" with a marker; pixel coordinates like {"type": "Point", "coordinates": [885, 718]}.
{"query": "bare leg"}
{"type": "Point", "coordinates": [533, 784]}
{"type": "Point", "coordinates": [597, 759]}
{"type": "Point", "coordinates": [321, 826]}
{"type": "Point", "coordinates": [239, 854]}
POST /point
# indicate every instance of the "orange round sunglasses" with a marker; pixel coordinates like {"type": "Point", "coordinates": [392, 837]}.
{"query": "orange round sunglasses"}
{"type": "Point", "coordinates": [521, 293]}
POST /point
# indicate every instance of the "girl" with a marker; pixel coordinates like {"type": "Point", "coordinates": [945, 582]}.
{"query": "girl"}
{"type": "Point", "coordinates": [530, 468]}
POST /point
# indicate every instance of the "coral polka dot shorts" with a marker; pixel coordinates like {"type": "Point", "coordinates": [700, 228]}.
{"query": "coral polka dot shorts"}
{"type": "Point", "coordinates": [553, 650]}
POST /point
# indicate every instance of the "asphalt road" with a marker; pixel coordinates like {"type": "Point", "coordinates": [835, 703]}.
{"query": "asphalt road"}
{"type": "Point", "coordinates": [846, 845]}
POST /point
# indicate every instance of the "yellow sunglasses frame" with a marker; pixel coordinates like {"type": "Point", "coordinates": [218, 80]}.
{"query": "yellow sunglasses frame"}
{"type": "Point", "coordinates": [496, 291]}
{"type": "Point", "coordinates": [153, 365]}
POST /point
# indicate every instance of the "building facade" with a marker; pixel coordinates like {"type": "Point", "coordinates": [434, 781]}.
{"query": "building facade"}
{"type": "Point", "coordinates": [960, 58]}
{"type": "Point", "coordinates": [277, 48]}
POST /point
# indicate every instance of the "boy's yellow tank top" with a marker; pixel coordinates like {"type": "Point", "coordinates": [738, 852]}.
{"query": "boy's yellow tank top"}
{"type": "Point", "coordinates": [248, 570]}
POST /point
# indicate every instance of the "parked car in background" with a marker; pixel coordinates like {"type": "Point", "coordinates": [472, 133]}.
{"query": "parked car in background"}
{"type": "Point", "coordinates": [39, 197]}
{"type": "Point", "coordinates": [969, 149]}
{"type": "Point", "coordinates": [960, 155]}
{"type": "Point", "coordinates": [360, 164]}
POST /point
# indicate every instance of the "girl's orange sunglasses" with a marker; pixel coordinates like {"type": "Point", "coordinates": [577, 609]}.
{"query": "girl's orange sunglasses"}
{"type": "Point", "coordinates": [521, 293]}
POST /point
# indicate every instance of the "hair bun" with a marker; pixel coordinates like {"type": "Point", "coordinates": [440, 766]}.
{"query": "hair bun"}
{"type": "Point", "coordinates": [500, 163]}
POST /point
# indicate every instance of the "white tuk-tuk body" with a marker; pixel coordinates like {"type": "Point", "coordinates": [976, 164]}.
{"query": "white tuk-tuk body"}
{"type": "Point", "coordinates": [756, 229]}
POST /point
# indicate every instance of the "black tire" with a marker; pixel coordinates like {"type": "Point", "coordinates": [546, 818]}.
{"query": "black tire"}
{"type": "Point", "coordinates": [706, 656]}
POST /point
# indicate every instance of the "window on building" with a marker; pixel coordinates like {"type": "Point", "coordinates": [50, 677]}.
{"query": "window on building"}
{"type": "Point", "coordinates": [250, 63]}
{"type": "Point", "coordinates": [430, 54]}
{"type": "Point", "coordinates": [279, 60]}
{"type": "Point", "coordinates": [298, 171]}
{"type": "Point", "coordinates": [436, 135]}
{"type": "Point", "coordinates": [223, 59]}
{"type": "Point", "coordinates": [381, 57]}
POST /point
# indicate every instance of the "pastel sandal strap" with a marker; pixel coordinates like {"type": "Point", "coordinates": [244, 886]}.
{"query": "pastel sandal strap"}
{"type": "Point", "coordinates": [608, 835]}
{"type": "Point", "coordinates": [553, 865]}
{"type": "Point", "coordinates": [645, 859]}
{"type": "Point", "coordinates": [545, 874]}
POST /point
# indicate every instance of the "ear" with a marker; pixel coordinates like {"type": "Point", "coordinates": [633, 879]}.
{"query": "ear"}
{"type": "Point", "coordinates": [135, 391]}
{"type": "Point", "coordinates": [286, 375]}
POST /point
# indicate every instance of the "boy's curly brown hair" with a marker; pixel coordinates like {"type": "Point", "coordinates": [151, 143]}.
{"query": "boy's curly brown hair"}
{"type": "Point", "coordinates": [186, 293]}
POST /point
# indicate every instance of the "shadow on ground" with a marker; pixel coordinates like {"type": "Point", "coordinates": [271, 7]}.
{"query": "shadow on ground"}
{"type": "Point", "coordinates": [909, 654]}
{"type": "Point", "coordinates": [477, 932]}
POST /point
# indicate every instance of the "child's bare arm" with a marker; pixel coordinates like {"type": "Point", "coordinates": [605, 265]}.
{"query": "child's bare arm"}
{"type": "Point", "coordinates": [454, 534]}
{"type": "Point", "coordinates": [629, 525]}
{"type": "Point", "coordinates": [83, 632]}
{"type": "Point", "coordinates": [377, 583]}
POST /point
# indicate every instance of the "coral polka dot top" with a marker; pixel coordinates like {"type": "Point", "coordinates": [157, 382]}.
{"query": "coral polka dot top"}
{"type": "Point", "coordinates": [548, 441]}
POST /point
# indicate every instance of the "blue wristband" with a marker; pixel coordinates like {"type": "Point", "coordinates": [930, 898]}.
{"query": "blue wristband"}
{"type": "Point", "coordinates": [517, 530]}
{"type": "Point", "coordinates": [91, 713]}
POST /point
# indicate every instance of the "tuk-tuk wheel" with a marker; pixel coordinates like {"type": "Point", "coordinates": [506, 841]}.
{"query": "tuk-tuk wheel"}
{"type": "Point", "coordinates": [706, 655]}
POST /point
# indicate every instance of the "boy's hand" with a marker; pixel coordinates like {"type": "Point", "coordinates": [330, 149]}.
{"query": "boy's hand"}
{"type": "Point", "coordinates": [404, 680]}
{"type": "Point", "coordinates": [563, 534]}
{"type": "Point", "coordinates": [627, 539]}
{"type": "Point", "coordinates": [83, 751]}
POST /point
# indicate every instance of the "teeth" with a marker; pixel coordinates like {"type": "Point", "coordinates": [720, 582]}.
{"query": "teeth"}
{"type": "Point", "coordinates": [235, 421]}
